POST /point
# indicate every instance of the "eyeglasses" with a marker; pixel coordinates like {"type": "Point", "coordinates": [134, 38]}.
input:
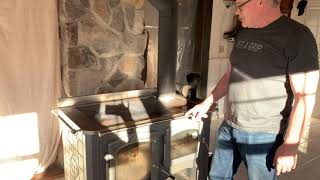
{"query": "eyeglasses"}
{"type": "Point", "coordinates": [240, 4]}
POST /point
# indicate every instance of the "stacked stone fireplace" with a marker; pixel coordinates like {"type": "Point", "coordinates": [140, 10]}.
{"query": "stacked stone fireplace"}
{"type": "Point", "coordinates": [105, 46]}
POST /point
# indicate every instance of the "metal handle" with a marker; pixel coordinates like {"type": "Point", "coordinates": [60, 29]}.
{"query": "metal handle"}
{"type": "Point", "coordinates": [60, 117]}
{"type": "Point", "coordinates": [193, 134]}
{"type": "Point", "coordinates": [73, 131]}
{"type": "Point", "coordinates": [166, 146]}
{"type": "Point", "coordinates": [169, 175]}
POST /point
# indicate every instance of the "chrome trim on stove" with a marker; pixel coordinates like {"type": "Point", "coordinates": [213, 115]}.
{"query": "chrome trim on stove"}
{"type": "Point", "coordinates": [73, 101]}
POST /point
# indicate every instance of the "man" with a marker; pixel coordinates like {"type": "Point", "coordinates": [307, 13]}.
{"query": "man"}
{"type": "Point", "coordinates": [270, 86]}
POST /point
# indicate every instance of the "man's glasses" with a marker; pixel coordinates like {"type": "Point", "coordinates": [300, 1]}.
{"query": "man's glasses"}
{"type": "Point", "coordinates": [238, 5]}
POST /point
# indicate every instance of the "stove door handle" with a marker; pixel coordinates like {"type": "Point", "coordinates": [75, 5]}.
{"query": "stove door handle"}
{"type": "Point", "coordinates": [171, 177]}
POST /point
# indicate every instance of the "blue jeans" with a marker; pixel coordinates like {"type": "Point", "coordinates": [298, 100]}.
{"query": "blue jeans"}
{"type": "Point", "coordinates": [255, 149]}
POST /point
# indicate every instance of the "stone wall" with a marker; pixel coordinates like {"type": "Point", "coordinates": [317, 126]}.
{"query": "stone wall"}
{"type": "Point", "coordinates": [103, 46]}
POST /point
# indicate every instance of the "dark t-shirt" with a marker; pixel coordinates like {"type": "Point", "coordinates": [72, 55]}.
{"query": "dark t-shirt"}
{"type": "Point", "coordinates": [260, 98]}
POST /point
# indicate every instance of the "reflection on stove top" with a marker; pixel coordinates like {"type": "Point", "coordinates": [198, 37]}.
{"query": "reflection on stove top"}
{"type": "Point", "coordinates": [123, 111]}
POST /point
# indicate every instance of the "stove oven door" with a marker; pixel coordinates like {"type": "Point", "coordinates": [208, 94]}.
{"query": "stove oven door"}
{"type": "Point", "coordinates": [183, 139]}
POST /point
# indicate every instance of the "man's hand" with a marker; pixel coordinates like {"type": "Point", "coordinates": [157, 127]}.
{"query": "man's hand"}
{"type": "Point", "coordinates": [285, 158]}
{"type": "Point", "coordinates": [199, 111]}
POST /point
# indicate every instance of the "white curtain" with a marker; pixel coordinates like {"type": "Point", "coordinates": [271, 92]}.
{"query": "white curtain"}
{"type": "Point", "coordinates": [29, 133]}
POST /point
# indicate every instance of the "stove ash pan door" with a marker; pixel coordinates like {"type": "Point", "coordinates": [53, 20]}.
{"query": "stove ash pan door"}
{"type": "Point", "coordinates": [133, 155]}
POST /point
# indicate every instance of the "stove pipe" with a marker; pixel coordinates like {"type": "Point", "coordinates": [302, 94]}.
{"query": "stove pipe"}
{"type": "Point", "coordinates": [167, 46]}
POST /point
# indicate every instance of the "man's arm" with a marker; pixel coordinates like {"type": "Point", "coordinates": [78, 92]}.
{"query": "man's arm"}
{"type": "Point", "coordinates": [304, 87]}
{"type": "Point", "coordinates": [219, 91]}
